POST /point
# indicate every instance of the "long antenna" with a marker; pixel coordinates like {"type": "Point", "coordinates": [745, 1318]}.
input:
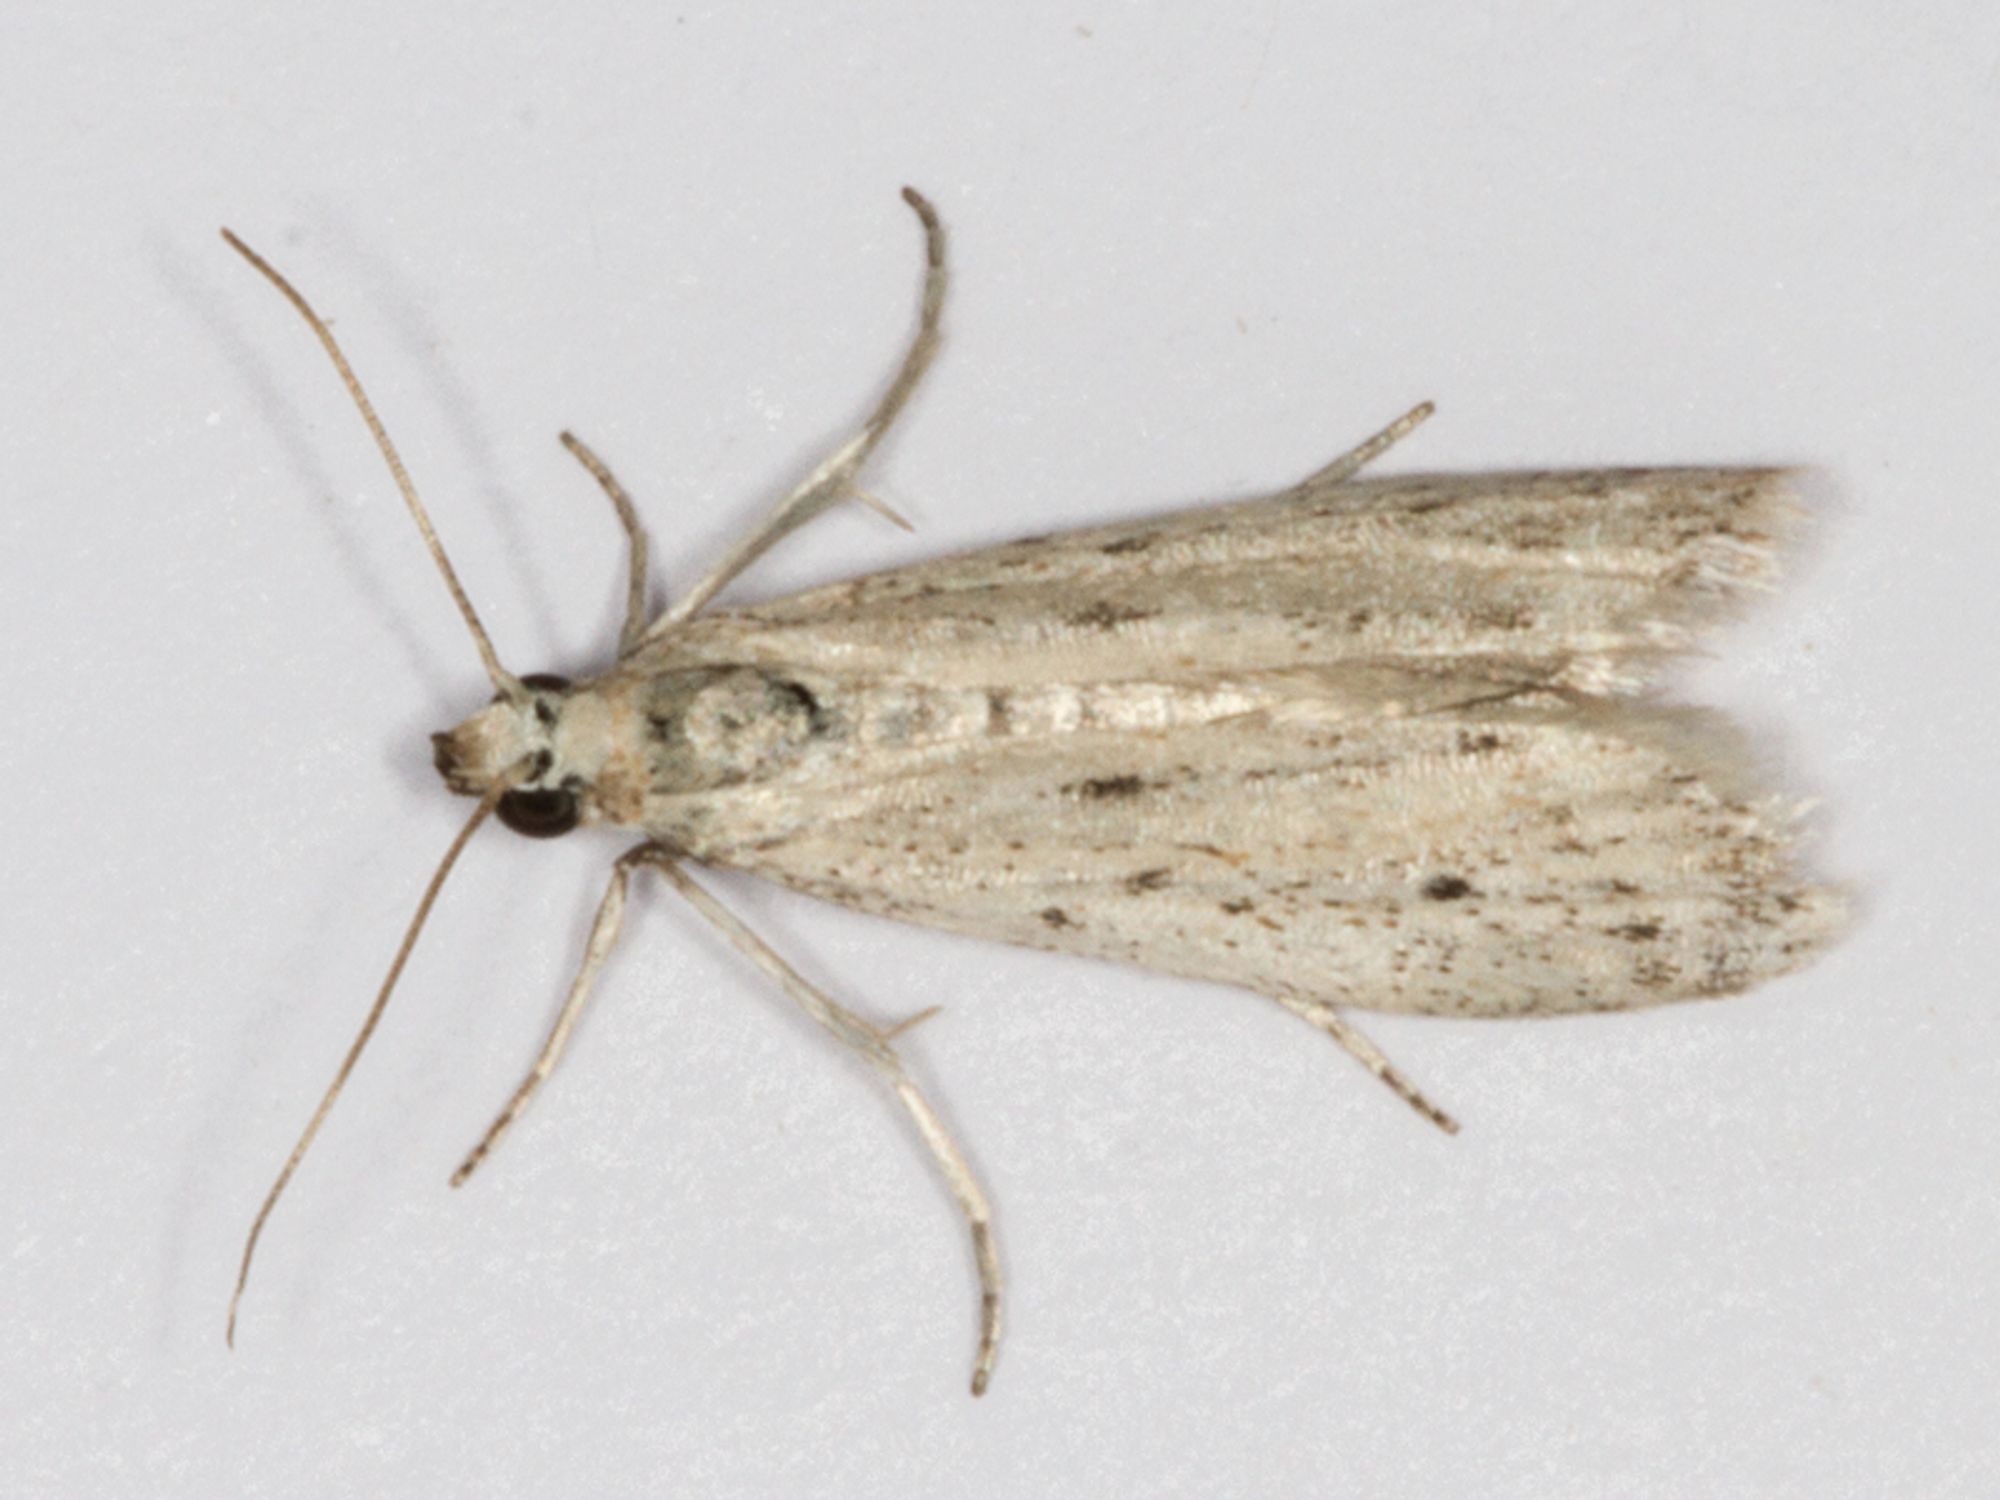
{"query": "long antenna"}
{"type": "Point", "coordinates": [504, 682]}
{"type": "Point", "coordinates": [479, 813]}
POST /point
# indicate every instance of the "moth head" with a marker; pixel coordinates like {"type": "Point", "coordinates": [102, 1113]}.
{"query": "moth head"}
{"type": "Point", "coordinates": [527, 743]}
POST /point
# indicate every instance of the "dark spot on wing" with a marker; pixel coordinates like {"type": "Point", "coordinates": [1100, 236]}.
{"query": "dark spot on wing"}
{"type": "Point", "coordinates": [1636, 932]}
{"type": "Point", "coordinates": [1149, 880]}
{"type": "Point", "coordinates": [1104, 615]}
{"type": "Point", "coordinates": [1055, 916]}
{"type": "Point", "coordinates": [1446, 888]}
{"type": "Point", "coordinates": [1104, 788]}
{"type": "Point", "coordinates": [802, 698]}
{"type": "Point", "coordinates": [1502, 617]}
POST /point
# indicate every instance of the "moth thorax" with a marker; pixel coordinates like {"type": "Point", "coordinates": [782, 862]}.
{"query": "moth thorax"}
{"type": "Point", "coordinates": [718, 726]}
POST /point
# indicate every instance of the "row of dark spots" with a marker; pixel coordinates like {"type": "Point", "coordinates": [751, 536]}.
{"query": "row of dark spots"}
{"type": "Point", "coordinates": [1243, 906]}
{"type": "Point", "coordinates": [1456, 888]}
{"type": "Point", "coordinates": [1104, 615]}
{"type": "Point", "coordinates": [1104, 788]}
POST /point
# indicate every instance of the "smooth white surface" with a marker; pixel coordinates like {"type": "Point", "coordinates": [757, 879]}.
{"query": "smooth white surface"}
{"type": "Point", "coordinates": [1740, 1249]}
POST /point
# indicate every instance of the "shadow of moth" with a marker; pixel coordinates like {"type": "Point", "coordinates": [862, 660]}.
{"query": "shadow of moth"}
{"type": "Point", "coordinates": [1362, 744]}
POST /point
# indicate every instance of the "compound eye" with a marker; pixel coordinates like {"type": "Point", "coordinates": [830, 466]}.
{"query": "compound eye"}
{"type": "Point", "coordinates": [539, 814]}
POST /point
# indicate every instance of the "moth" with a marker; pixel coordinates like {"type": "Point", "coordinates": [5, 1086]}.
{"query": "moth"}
{"type": "Point", "coordinates": [1363, 744]}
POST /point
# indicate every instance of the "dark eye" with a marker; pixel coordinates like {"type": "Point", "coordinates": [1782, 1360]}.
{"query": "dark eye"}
{"type": "Point", "coordinates": [539, 814]}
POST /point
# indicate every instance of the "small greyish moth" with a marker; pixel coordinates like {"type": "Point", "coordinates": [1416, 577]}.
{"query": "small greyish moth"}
{"type": "Point", "coordinates": [1363, 744]}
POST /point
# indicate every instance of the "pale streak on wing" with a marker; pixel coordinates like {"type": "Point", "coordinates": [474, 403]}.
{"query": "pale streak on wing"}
{"type": "Point", "coordinates": [1535, 857]}
{"type": "Point", "coordinates": [1581, 579]}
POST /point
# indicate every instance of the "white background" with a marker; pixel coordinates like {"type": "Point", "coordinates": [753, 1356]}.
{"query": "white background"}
{"type": "Point", "coordinates": [1735, 1249]}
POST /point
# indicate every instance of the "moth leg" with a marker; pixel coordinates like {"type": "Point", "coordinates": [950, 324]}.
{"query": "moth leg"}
{"type": "Point", "coordinates": [1370, 1056]}
{"type": "Point", "coordinates": [833, 481]}
{"type": "Point", "coordinates": [634, 628]}
{"type": "Point", "coordinates": [872, 1043]}
{"type": "Point", "coordinates": [1355, 459]}
{"type": "Point", "coordinates": [603, 936]}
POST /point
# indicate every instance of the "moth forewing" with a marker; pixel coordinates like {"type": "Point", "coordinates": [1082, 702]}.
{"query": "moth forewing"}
{"type": "Point", "coordinates": [1585, 579]}
{"type": "Point", "coordinates": [1526, 854]}
{"type": "Point", "coordinates": [1362, 744]}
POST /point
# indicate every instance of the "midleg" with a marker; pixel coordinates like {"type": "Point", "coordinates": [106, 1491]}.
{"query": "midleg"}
{"type": "Point", "coordinates": [872, 1043]}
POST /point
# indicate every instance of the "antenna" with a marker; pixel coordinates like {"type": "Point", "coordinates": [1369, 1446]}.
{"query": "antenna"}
{"type": "Point", "coordinates": [504, 682]}
{"type": "Point", "coordinates": [479, 814]}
